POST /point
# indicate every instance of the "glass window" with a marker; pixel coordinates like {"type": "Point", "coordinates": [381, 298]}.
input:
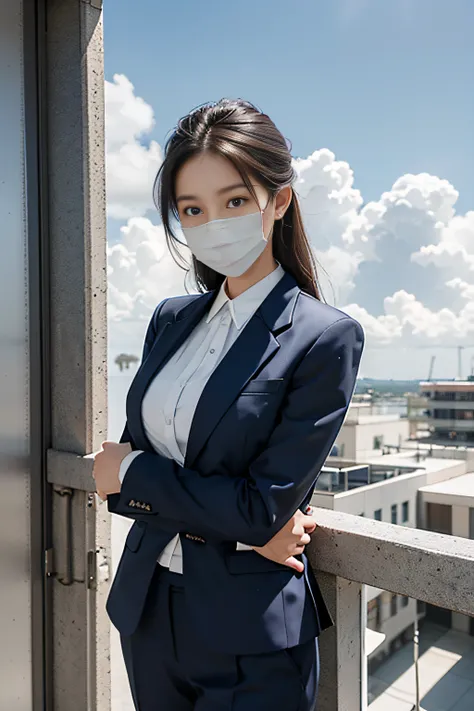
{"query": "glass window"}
{"type": "Point", "coordinates": [378, 515]}
{"type": "Point", "coordinates": [394, 513]}
{"type": "Point", "coordinates": [378, 442]}
{"type": "Point", "coordinates": [374, 613]}
{"type": "Point", "coordinates": [404, 601]}
{"type": "Point", "coordinates": [393, 605]}
{"type": "Point", "coordinates": [405, 511]}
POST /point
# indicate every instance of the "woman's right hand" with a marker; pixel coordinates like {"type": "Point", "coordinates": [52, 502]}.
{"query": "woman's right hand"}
{"type": "Point", "coordinates": [289, 541]}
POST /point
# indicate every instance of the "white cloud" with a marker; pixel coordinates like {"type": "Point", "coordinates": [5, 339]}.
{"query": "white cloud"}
{"type": "Point", "coordinates": [453, 250]}
{"type": "Point", "coordinates": [415, 222]}
{"type": "Point", "coordinates": [141, 271]}
{"type": "Point", "coordinates": [337, 269]}
{"type": "Point", "coordinates": [378, 329]}
{"type": "Point", "coordinates": [131, 166]}
{"type": "Point", "coordinates": [328, 199]}
{"type": "Point", "coordinates": [465, 290]}
{"type": "Point", "coordinates": [415, 211]}
{"type": "Point", "coordinates": [406, 320]}
{"type": "Point", "coordinates": [445, 255]}
{"type": "Point", "coordinates": [460, 231]}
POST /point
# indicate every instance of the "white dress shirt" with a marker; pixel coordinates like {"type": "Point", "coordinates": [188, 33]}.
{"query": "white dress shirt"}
{"type": "Point", "coordinates": [171, 399]}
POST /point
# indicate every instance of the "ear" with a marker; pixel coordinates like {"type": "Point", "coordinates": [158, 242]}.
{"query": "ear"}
{"type": "Point", "coordinates": [282, 201]}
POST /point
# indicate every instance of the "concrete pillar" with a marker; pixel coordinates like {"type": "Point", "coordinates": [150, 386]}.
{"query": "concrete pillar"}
{"type": "Point", "coordinates": [78, 329]}
{"type": "Point", "coordinates": [343, 685]}
{"type": "Point", "coordinates": [460, 519]}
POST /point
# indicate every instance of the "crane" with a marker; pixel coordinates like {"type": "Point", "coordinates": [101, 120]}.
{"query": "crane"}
{"type": "Point", "coordinates": [443, 345]}
{"type": "Point", "coordinates": [433, 346]}
{"type": "Point", "coordinates": [430, 373]}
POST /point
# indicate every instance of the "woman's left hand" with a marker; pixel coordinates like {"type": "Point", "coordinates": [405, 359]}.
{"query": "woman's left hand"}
{"type": "Point", "coordinates": [107, 465]}
{"type": "Point", "coordinates": [290, 540]}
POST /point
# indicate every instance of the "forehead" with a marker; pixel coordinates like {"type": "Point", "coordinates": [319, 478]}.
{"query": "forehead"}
{"type": "Point", "coordinates": [204, 174]}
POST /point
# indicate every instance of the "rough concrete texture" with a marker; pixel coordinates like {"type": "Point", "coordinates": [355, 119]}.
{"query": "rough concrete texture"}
{"type": "Point", "coordinates": [78, 327]}
{"type": "Point", "coordinates": [427, 566]}
{"type": "Point", "coordinates": [341, 646]}
{"type": "Point", "coordinates": [70, 470]}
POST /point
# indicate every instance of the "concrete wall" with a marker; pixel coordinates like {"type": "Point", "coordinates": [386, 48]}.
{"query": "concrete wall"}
{"type": "Point", "coordinates": [366, 499]}
{"type": "Point", "coordinates": [357, 438]}
{"type": "Point", "coordinates": [461, 519]}
{"type": "Point", "coordinates": [465, 454]}
{"type": "Point", "coordinates": [346, 442]}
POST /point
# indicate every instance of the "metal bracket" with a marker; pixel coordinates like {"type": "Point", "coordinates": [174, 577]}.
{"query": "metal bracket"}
{"type": "Point", "coordinates": [49, 563]}
{"type": "Point", "coordinates": [91, 570]}
{"type": "Point", "coordinates": [66, 577]}
{"type": "Point", "coordinates": [98, 570]}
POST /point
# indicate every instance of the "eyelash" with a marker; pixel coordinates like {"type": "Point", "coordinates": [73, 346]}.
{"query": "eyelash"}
{"type": "Point", "coordinates": [244, 200]}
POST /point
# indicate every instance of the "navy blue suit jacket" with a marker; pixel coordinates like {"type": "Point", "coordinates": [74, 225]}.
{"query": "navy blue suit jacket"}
{"type": "Point", "coordinates": [263, 427]}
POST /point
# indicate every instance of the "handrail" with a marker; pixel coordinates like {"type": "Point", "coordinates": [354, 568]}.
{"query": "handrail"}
{"type": "Point", "coordinates": [432, 567]}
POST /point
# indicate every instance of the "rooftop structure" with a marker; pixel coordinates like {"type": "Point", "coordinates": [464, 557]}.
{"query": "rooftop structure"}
{"type": "Point", "coordinates": [450, 410]}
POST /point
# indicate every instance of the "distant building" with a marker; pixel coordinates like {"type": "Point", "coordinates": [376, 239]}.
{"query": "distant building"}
{"type": "Point", "coordinates": [448, 507]}
{"type": "Point", "coordinates": [450, 410]}
{"type": "Point", "coordinates": [364, 434]}
{"type": "Point", "coordinates": [417, 405]}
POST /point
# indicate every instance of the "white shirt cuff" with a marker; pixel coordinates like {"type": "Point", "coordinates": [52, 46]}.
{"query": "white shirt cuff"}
{"type": "Point", "coordinates": [126, 461]}
{"type": "Point", "coordinates": [243, 547]}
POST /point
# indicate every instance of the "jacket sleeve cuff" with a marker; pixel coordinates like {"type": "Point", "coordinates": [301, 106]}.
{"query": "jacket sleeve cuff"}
{"type": "Point", "coordinates": [126, 461]}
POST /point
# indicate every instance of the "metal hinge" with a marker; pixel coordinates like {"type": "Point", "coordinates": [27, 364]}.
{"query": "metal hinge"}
{"type": "Point", "coordinates": [97, 568]}
{"type": "Point", "coordinates": [49, 563]}
{"type": "Point", "coordinates": [91, 570]}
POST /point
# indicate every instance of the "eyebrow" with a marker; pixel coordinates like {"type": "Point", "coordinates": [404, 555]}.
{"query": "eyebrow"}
{"type": "Point", "coordinates": [221, 191]}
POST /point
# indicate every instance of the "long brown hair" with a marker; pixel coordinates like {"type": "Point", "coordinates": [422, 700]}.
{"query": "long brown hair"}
{"type": "Point", "coordinates": [238, 131]}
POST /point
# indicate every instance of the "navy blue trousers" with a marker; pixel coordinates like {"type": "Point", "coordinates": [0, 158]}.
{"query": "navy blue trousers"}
{"type": "Point", "coordinates": [169, 670]}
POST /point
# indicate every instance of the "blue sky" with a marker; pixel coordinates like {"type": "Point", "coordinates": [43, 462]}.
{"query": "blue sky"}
{"type": "Point", "coordinates": [385, 84]}
{"type": "Point", "coordinates": [383, 87]}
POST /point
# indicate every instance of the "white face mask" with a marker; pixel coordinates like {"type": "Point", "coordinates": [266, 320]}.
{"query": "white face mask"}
{"type": "Point", "coordinates": [229, 246]}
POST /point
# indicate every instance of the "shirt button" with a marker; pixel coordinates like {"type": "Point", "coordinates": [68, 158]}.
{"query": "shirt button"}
{"type": "Point", "coordinates": [213, 350]}
{"type": "Point", "coordinates": [168, 421]}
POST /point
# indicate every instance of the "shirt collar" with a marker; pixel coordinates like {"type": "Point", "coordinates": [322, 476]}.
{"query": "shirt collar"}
{"type": "Point", "coordinates": [243, 307]}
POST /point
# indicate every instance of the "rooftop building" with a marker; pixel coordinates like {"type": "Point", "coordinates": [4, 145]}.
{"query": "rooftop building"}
{"type": "Point", "coordinates": [364, 434]}
{"type": "Point", "coordinates": [450, 410]}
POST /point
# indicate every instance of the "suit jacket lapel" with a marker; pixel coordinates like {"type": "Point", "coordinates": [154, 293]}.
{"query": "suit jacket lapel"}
{"type": "Point", "coordinates": [250, 352]}
{"type": "Point", "coordinates": [170, 336]}
{"type": "Point", "coordinates": [252, 349]}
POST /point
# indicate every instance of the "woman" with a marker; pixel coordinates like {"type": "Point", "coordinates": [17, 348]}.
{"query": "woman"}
{"type": "Point", "coordinates": [239, 397]}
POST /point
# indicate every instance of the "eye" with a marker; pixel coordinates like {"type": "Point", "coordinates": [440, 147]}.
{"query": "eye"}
{"type": "Point", "coordinates": [239, 200]}
{"type": "Point", "coordinates": [192, 214]}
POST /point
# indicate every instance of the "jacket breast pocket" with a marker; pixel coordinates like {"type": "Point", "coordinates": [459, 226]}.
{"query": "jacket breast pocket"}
{"type": "Point", "coordinates": [135, 535]}
{"type": "Point", "coordinates": [261, 386]}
